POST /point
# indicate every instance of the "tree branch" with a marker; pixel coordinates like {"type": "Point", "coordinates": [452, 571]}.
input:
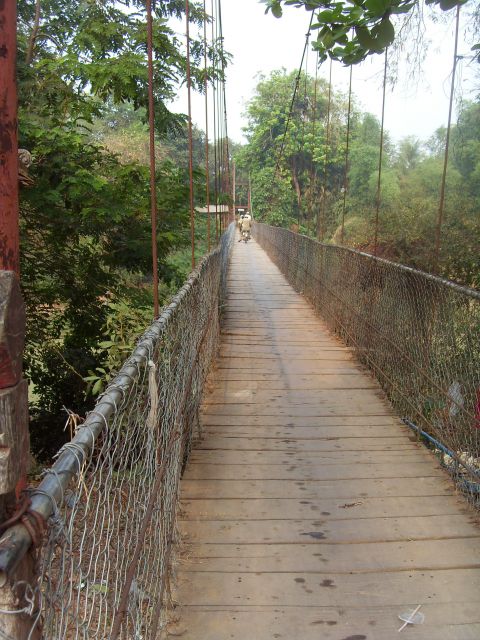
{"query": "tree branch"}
{"type": "Point", "coordinates": [34, 34]}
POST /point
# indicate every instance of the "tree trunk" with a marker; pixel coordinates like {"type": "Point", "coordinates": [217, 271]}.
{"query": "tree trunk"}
{"type": "Point", "coordinates": [298, 191]}
{"type": "Point", "coordinates": [34, 34]}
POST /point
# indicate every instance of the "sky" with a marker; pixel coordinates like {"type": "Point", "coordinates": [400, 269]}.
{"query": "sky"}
{"type": "Point", "coordinates": [261, 43]}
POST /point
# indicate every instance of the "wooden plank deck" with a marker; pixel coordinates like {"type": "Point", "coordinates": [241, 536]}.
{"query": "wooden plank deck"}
{"type": "Point", "coordinates": [308, 509]}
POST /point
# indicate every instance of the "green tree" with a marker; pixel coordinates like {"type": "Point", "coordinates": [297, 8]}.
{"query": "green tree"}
{"type": "Point", "coordinates": [85, 218]}
{"type": "Point", "coordinates": [296, 143]}
{"type": "Point", "coordinates": [351, 30]}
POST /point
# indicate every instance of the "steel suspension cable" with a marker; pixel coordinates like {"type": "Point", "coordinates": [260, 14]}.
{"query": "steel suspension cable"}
{"type": "Point", "coordinates": [441, 206]}
{"type": "Point", "coordinates": [221, 96]}
{"type": "Point", "coordinates": [321, 223]}
{"type": "Point", "coordinates": [151, 127]}
{"type": "Point", "coordinates": [347, 151]}
{"type": "Point", "coordinates": [305, 111]}
{"type": "Point", "coordinates": [207, 169]}
{"type": "Point", "coordinates": [292, 103]}
{"type": "Point", "coordinates": [313, 175]}
{"type": "Point", "coordinates": [225, 119]}
{"type": "Point", "coordinates": [227, 142]}
{"type": "Point", "coordinates": [219, 127]}
{"type": "Point", "coordinates": [190, 136]}
{"type": "Point", "coordinates": [380, 158]}
{"type": "Point", "coordinates": [214, 101]}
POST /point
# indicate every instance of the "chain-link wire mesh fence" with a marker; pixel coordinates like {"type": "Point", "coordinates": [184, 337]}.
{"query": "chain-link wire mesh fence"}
{"type": "Point", "coordinates": [419, 335]}
{"type": "Point", "coordinates": [109, 501]}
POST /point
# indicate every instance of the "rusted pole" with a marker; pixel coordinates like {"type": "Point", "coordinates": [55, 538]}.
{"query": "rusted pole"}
{"type": "Point", "coordinates": [322, 225]}
{"type": "Point", "coordinates": [13, 388]}
{"type": "Point", "coordinates": [215, 133]}
{"type": "Point", "coordinates": [190, 136]}
{"type": "Point", "coordinates": [207, 168]}
{"type": "Point", "coordinates": [234, 187]}
{"type": "Point", "coordinates": [347, 150]}
{"type": "Point", "coordinates": [313, 170]}
{"type": "Point", "coordinates": [153, 189]}
{"type": "Point", "coordinates": [9, 232]}
{"type": "Point", "coordinates": [380, 157]}
{"type": "Point", "coordinates": [441, 206]}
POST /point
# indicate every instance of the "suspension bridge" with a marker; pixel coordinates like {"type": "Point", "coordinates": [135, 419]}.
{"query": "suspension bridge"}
{"type": "Point", "coordinates": [307, 507]}
{"type": "Point", "coordinates": [291, 449]}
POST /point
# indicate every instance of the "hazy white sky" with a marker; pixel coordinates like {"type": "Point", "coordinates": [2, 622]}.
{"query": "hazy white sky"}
{"type": "Point", "coordinates": [261, 43]}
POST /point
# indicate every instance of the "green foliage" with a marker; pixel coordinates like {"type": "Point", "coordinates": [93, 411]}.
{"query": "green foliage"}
{"type": "Point", "coordinates": [287, 165]}
{"type": "Point", "coordinates": [85, 221]}
{"type": "Point", "coordinates": [307, 185]}
{"type": "Point", "coordinates": [126, 317]}
{"type": "Point", "coordinates": [350, 30]}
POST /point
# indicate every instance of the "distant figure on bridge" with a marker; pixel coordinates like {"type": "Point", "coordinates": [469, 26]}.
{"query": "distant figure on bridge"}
{"type": "Point", "coordinates": [245, 226]}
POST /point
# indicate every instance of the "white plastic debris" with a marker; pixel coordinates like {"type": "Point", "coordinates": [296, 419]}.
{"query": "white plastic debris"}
{"type": "Point", "coordinates": [411, 617]}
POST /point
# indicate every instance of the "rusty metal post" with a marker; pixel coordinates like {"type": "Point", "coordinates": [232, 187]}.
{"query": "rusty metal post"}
{"type": "Point", "coordinates": [14, 441]}
{"type": "Point", "coordinates": [9, 245]}
{"type": "Point", "coordinates": [207, 168]}
{"type": "Point", "coordinates": [234, 189]}
{"type": "Point", "coordinates": [249, 196]}
{"type": "Point", "coordinates": [190, 136]}
{"type": "Point", "coordinates": [378, 195]}
{"type": "Point", "coordinates": [441, 205]}
{"type": "Point", "coordinates": [153, 188]}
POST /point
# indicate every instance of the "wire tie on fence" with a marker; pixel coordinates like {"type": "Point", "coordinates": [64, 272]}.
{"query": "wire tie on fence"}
{"type": "Point", "coordinates": [53, 472]}
{"type": "Point", "coordinates": [40, 492]}
{"type": "Point", "coordinates": [93, 412]}
{"type": "Point", "coordinates": [88, 428]}
{"type": "Point", "coordinates": [28, 610]}
{"type": "Point", "coordinates": [12, 612]}
{"type": "Point", "coordinates": [76, 450]}
{"type": "Point", "coordinates": [107, 399]}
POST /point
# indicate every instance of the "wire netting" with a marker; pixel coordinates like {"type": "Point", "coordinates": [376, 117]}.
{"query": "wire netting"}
{"type": "Point", "coordinates": [112, 494]}
{"type": "Point", "coordinates": [419, 335]}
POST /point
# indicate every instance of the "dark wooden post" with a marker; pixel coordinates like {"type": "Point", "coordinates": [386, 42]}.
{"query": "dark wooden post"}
{"type": "Point", "coordinates": [14, 441]}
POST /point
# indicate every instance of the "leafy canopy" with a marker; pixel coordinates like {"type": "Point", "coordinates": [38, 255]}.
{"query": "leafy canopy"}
{"type": "Point", "coordinates": [350, 30]}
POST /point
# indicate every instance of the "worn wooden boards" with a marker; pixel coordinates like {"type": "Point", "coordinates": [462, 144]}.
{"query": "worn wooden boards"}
{"type": "Point", "coordinates": [308, 509]}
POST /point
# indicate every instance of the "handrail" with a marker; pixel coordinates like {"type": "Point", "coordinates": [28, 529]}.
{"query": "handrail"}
{"type": "Point", "coordinates": [418, 333]}
{"type": "Point", "coordinates": [49, 497]}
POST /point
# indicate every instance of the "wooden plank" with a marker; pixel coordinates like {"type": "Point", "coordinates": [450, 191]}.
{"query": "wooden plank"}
{"type": "Point", "coordinates": [365, 406]}
{"type": "Point", "coordinates": [351, 398]}
{"type": "Point", "coordinates": [308, 421]}
{"type": "Point", "coordinates": [330, 366]}
{"type": "Point", "coordinates": [225, 541]}
{"type": "Point", "coordinates": [357, 590]}
{"type": "Point", "coordinates": [308, 433]}
{"type": "Point", "coordinates": [348, 490]}
{"type": "Point", "coordinates": [295, 470]}
{"type": "Point", "coordinates": [446, 621]}
{"type": "Point", "coordinates": [321, 444]}
{"type": "Point", "coordinates": [284, 554]}
{"type": "Point", "coordinates": [307, 458]}
{"type": "Point", "coordinates": [286, 379]}
{"type": "Point", "coordinates": [301, 383]}
{"type": "Point", "coordinates": [300, 509]}
{"type": "Point", "coordinates": [280, 352]}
